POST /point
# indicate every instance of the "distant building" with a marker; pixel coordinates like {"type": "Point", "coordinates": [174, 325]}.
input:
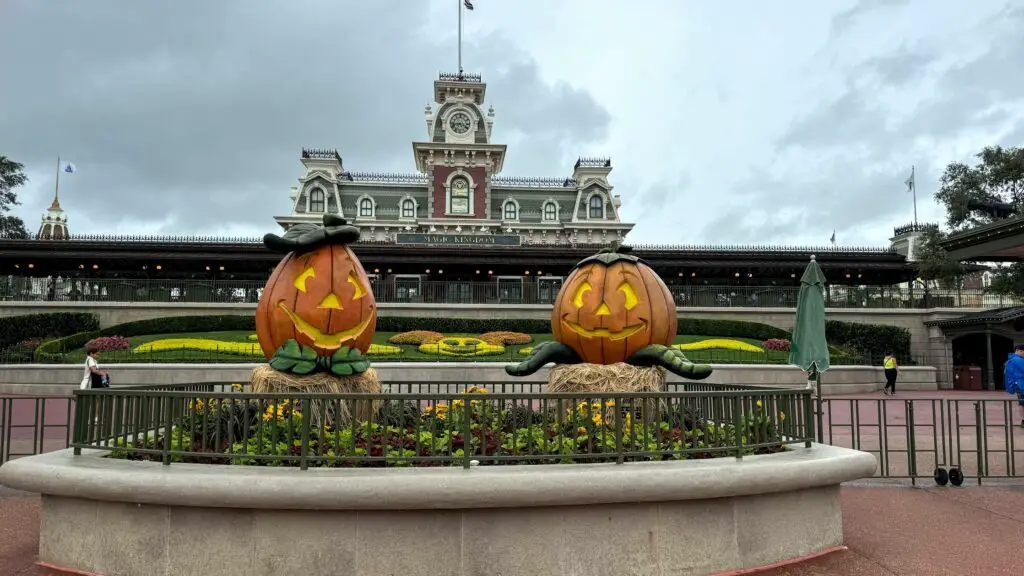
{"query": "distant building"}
{"type": "Point", "coordinates": [457, 194]}
{"type": "Point", "coordinates": [55, 223]}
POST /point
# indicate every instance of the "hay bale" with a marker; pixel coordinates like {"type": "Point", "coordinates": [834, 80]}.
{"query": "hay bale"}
{"type": "Point", "coordinates": [610, 379]}
{"type": "Point", "coordinates": [323, 413]}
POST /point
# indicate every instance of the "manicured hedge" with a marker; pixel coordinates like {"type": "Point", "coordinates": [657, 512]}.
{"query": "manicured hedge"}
{"type": "Point", "coordinates": [14, 329]}
{"type": "Point", "coordinates": [729, 329]}
{"type": "Point", "coordinates": [464, 325]}
{"type": "Point", "coordinates": [873, 339]}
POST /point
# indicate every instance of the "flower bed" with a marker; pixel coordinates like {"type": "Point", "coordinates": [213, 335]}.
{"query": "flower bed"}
{"type": "Point", "coordinates": [493, 429]}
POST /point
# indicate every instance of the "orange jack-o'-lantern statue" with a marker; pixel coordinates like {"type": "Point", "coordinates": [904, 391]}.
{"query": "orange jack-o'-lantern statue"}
{"type": "Point", "coordinates": [613, 308]}
{"type": "Point", "coordinates": [317, 311]}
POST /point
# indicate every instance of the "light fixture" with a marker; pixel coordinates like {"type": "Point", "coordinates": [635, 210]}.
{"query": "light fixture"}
{"type": "Point", "coordinates": [95, 266]}
{"type": "Point", "coordinates": [680, 274]}
{"type": "Point", "coordinates": [737, 274]}
{"type": "Point", "coordinates": [750, 274]}
{"type": "Point", "coordinates": [490, 272]}
{"type": "Point", "coordinates": [31, 265]}
{"type": "Point", "coordinates": [428, 270]}
{"type": "Point", "coordinates": [693, 274]}
{"type": "Point", "coordinates": [439, 271]}
{"type": "Point", "coordinates": [389, 270]}
{"type": "Point", "coordinates": [847, 274]}
{"type": "Point", "coordinates": [376, 270]}
{"type": "Point", "coordinates": [858, 275]}
{"type": "Point", "coordinates": [17, 265]}
{"type": "Point", "coordinates": [792, 274]}
{"type": "Point", "coordinates": [477, 271]}
{"type": "Point", "coordinates": [144, 267]}
{"type": "Point", "coordinates": [80, 266]}
{"type": "Point", "coordinates": [207, 268]}
{"type": "Point", "coordinates": [159, 267]}
{"type": "Point", "coordinates": [221, 268]}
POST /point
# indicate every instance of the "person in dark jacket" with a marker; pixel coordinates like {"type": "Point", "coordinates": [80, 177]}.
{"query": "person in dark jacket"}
{"type": "Point", "coordinates": [1013, 377]}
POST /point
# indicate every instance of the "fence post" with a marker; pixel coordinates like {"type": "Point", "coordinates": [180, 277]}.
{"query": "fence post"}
{"type": "Point", "coordinates": [911, 443]}
{"type": "Point", "coordinates": [467, 433]}
{"type": "Point", "coordinates": [737, 422]}
{"type": "Point", "coordinates": [168, 416]}
{"type": "Point", "coordinates": [304, 452]}
{"type": "Point", "coordinates": [979, 433]}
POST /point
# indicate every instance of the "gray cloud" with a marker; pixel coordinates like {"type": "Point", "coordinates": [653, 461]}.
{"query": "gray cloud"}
{"type": "Point", "coordinates": [844, 21]}
{"type": "Point", "coordinates": [196, 116]}
{"type": "Point", "coordinates": [844, 163]}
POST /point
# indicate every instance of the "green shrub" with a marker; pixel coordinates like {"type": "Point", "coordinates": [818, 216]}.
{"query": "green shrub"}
{"type": "Point", "coordinates": [729, 329]}
{"type": "Point", "coordinates": [181, 324]}
{"type": "Point", "coordinates": [14, 329]}
{"type": "Point", "coordinates": [465, 325]}
{"type": "Point", "coordinates": [53, 351]}
{"type": "Point", "coordinates": [871, 339]}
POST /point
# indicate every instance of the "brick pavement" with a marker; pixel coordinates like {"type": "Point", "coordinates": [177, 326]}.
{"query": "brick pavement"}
{"type": "Point", "coordinates": [890, 531]}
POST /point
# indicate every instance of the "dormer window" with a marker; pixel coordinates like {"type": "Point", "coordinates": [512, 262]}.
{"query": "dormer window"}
{"type": "Point", "coordinates": [596, 207]}
{"type": "Point", "coordinates": [366, 207]}
{"type": "Point", "coordinates": [408, 208]}
{"type": "Point", "coordinates": [550, 211]}
{"type": "Point", "coordinates": [510, 211]}
{"type": "Point", "coordinates": [316, 200]}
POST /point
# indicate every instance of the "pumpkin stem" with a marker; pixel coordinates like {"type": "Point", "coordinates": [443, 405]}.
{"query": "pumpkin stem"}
{"type": "Point", "coordinates": [616, 247]}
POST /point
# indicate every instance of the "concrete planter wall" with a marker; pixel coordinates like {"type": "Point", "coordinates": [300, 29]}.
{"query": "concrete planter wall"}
{"type": "Point", "coordinates": [688, 517]}
{"type": "Point", "coordinates": [62, 379]}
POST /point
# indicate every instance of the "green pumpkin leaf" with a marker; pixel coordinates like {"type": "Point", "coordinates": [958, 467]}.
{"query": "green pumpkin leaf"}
{"type": "Point", "coordinates": [290, 348]}
{"type": "Point", "coordinates": [295, 358]}
{"type": "Point", "coordinates": [304, 367]}
{"type": "Point", "coordinates": [341, 369]}
{"type": "Point", "coordinates": [347, 361]}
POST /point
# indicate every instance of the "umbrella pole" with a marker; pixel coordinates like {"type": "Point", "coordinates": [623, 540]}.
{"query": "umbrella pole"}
{"type": "Point", "coordinates": [819, 407]}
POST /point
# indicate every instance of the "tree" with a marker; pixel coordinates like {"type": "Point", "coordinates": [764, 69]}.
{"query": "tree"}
{"type": "Point", "coordinates": [934, 263]}
{"type": "Point", "coordinates": [997, 178]}
{"type": "Point", "coordinates": [11, 177]}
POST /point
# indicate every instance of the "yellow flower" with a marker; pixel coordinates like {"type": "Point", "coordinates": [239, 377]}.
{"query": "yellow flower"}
{"type": "Point", "coordinates": [759, 404]}
{"type": "Point", "coordinates": [581, 430]}
{"type": "Point", "coordinates": [719, 343]}
{"type": "Point", "coordinates": [477, 390]}
{"type": "Point", "coordinates": [197, 405]}
{"type": "Point", "coordinates": [428, 410]}
{"type": "Point", "coordinates": [236, 387]}
{"type": "Point", "coordinates": [610, 404]}
{"type": "Point", "coordinates": [458, 403]}
{"type": "Point", "coordinates": [597, 419]}
{"type": "Point", "coordinates": [782, 416]}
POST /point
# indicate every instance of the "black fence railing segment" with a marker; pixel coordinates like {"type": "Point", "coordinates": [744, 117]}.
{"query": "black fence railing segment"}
{"type": "Point", "coordinates": [497, 290]}
{"type": "Point", "coordinates": [464, 427]}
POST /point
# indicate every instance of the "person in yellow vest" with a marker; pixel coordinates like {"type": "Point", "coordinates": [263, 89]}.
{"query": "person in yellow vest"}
{"type": "Point", "coordinates": [891, 371]}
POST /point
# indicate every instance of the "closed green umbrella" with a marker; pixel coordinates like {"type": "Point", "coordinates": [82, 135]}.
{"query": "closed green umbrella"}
{"type": "Point", "coordinates": [809, 348]}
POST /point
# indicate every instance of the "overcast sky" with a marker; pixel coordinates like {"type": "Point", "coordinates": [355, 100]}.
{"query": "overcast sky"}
{"type": "Point", "coordinates": [730, 122]}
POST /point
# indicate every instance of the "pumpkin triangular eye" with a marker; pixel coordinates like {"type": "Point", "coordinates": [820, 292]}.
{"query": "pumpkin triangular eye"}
{"type": "Point", "coordinates": [583, 289]}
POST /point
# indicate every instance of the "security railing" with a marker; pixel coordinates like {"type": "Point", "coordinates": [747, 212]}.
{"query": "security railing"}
{"type": "Point", "coordinates": [437, 426]}
{"type": "Point", "coordinates": [501, 290]}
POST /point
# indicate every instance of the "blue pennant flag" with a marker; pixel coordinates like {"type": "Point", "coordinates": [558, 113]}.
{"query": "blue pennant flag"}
{"type": "Point", "coordinates": [69, 168]}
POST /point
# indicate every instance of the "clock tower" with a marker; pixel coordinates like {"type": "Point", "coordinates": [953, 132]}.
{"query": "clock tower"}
{"type": "Point", "coordinates": [458, 157]}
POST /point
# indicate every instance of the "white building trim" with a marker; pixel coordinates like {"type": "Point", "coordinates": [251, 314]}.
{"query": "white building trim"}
{"type": "Point", "coordinates": [459, 172]}
{"type": "Point", "coordinates": [359, 207]}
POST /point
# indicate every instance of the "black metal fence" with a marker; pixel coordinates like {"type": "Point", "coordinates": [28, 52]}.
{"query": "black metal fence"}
{"type": "Point", "coordinates": [931, 439]}
{"type": "Point", "coordinates": [501, 290]}
{"type": "Point", "coordinates": [436, 426]}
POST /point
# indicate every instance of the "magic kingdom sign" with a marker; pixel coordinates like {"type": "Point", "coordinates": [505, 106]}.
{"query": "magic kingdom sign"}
{"type": "Point", "coordinates": [461, 239]}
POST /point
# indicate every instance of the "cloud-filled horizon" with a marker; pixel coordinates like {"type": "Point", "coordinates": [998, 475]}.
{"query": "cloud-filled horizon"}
{"type": "Point", "coordinates": [728, 123]}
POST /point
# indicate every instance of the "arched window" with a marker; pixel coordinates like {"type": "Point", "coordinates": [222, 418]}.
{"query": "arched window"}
{"type": "Point", "coordinates": [316, 200]}
{"type": "Point", "coordinates": [510, 211]}
{"type": "Point", "coordinates": [550, 212]}
{"type": "Point", "coordinates": [458, 196]}
{"type": "Point", "coordinates": [366, 208]}
{"type": "Point", "coordinates": [408, 209]}
{"type": "Point", "coordinates": [596, 206]}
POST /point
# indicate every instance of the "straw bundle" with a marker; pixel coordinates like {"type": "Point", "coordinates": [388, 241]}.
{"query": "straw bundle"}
{"type": "Point", "coordinates": [323, 413]}
{"type": "Point", "coordinates": [610, 379]}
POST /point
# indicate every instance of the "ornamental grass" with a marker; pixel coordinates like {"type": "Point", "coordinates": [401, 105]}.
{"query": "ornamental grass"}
{"type": "Point", "coordinates": [506, 338]}
{"type": "Point", "coordinates": [416, 337]}
{"type": "Point", "coordinates": [719, 343]}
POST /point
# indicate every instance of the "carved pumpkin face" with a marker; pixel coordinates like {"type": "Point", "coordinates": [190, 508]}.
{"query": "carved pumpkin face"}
{"type": "Point", "coordinates": [321, 299]}
{"type": "Point", "coordinates": [611, 306]}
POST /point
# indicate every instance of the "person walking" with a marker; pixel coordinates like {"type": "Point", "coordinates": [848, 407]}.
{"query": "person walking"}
{"type": "Point", "coordinates": [94, 377]}
{"type": "Point", "coordinates": [1013, 377]}
{"type": "Point", "coordinates": [891, 371]}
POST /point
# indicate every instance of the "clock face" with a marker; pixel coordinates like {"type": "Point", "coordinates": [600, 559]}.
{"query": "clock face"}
{"type": "Point", "coordinates": [460, 123]}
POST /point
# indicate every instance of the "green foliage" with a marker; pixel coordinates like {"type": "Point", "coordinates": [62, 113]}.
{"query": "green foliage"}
{"type": "Point", "coordinates": [1008, 280]}
{"type": "Point", "coordinates": [14, 329]}
{"type": "Point", "coordinates": [181, 325]}
{"type": "Point", "coordinates": [464, 325]}
{"type": "Point", "coordinates": [11, 176]}
{"type": "Point", "coordinates": [347, 361]}
{"type": "Point", "coordinates": [729, 329]}
{"type": "Point", "coordinates": [294, 358]}
{"type": "Point", "coordinates": [934, 262]}
{"type": "Point", "coordinates": [998, 177]}
{"type": "Point", "coordinates": [872, 339]}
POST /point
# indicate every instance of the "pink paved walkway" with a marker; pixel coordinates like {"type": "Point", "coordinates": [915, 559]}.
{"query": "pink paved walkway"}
{"type": "Point", "coordinates": [889, 531]}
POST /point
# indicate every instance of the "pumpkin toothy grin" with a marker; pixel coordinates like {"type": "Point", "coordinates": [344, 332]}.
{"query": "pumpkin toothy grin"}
{"type": "Point", "coordinates": [325, 341]}
{"type": "Point", "coordinates": [604, 332]}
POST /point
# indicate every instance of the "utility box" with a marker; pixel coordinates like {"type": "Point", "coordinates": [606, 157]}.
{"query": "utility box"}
{"type": "Point", "coordinates": [967, 378]}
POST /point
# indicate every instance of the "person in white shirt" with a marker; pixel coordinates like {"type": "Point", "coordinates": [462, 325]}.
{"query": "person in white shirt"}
{"type": "Point", "coordinates": [93, 376]}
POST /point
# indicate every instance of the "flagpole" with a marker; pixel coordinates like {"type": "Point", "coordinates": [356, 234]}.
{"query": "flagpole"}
{"type": "Point", "coordinates": [460, 37]}
{"type": "Point", "coordinates": [56, 186]}
{"type": "Point", "coordinates": [913, 190]}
